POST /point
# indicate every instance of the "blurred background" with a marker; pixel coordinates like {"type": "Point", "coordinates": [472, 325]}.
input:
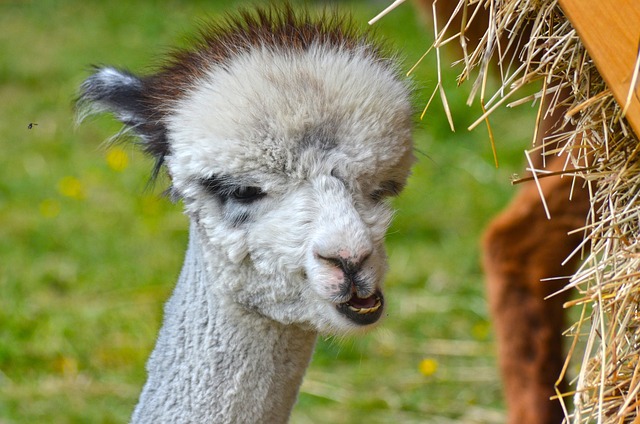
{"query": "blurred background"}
{"type": "Point", "coordinates": [89, 253]}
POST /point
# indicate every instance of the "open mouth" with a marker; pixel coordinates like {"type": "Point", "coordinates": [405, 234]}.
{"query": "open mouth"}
{"type": "Point", "coordinates": [363, 311]}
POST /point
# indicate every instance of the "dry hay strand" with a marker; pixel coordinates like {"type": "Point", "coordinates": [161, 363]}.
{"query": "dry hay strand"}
{"type": "Point", "coordinates": [603, 154]}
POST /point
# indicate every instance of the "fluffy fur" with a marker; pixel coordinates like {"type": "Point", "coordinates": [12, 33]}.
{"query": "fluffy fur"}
{"type": "Point", "coordinates": [283, 136]}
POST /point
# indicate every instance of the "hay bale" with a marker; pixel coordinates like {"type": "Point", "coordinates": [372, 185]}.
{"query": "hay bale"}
{"type": "Point", "coordinates": [604, 154]}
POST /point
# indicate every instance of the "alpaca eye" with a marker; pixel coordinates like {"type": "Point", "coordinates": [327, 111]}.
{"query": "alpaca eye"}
{"type": "Point", "coordinates": [247, 194]}
{"type": "Point", "coordinates": [225, 189]}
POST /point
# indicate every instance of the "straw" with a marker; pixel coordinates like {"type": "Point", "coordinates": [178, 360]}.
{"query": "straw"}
{"type": "Point", "coordinates": [602, 151]}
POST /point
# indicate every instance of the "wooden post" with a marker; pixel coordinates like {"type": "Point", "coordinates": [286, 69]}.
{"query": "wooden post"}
{"type": "Point", "coordinates": [610, 30]}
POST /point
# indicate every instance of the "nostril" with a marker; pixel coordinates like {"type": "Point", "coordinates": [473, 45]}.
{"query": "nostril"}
{"type": "Point", "coordinates": [337, 261]}
{"type": "Point", "coordinates": [348, 264]}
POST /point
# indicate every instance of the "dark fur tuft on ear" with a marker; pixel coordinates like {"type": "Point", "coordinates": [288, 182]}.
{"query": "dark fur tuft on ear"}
{"type": "Point", "coordinates": [124, 94]}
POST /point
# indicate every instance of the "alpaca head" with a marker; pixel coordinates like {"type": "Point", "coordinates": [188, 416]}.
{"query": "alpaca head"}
{"type": "Point", "coordinates": [283, 135]}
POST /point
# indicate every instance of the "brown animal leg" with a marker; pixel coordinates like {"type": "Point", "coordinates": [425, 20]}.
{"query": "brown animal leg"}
{"type": "Point", "coordinates": [521, 248]}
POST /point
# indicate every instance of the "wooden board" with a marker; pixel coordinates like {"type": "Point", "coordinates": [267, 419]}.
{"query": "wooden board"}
{"type": "Point", "coordinates": [610, 30]}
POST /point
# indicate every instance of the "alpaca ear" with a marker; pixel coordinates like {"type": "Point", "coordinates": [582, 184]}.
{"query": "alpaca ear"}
{"type": "Point", "coordinates": [115, 91]}
{"type": "Point", "coordinates": [123, 94]}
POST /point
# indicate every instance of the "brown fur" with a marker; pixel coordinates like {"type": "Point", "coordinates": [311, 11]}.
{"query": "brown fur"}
{"type": "Point", "coordinates": [270, 27]}
{"type": "Point", "coordinates": [521, 247]}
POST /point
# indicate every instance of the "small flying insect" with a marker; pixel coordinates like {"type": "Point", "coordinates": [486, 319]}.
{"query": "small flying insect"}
{"type": "Point", "coordinates": [31, 125]}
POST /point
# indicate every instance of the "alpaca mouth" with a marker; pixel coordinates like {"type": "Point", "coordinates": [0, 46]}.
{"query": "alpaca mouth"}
{"type": "Point", "coordinates": [363, 311]}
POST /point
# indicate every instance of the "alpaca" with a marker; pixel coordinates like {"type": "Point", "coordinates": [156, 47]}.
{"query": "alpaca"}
{"type": "Point", "coordinates": [521, 247]}
{"type": "Point", "coordinates": [283, 136]}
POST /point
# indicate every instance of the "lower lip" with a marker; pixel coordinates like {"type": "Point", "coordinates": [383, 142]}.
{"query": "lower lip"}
{"type": "Point", "coordinates": [365, 316]}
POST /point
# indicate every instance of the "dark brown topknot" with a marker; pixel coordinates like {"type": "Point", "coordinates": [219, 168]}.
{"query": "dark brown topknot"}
{"type": "Point", "coordinates": [275, 26]}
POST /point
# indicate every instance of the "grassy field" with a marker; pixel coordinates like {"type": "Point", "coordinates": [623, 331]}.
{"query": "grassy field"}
{"type": "Point", "coordinates": [89, 253]}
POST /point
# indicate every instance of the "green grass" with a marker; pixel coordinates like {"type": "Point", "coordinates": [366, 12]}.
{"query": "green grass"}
{"type": "Point", "coordinates": [88, 255]}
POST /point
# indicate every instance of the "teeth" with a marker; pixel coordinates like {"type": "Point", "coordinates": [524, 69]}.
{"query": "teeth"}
{"type": "Point", "coordinates": [363, 311]}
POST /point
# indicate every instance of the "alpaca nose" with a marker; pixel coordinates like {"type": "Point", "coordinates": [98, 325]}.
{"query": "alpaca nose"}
{"type": "Point", "coordinates": [348, 263]}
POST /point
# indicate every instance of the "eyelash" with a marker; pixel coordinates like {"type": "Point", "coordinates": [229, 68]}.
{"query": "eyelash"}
{"type": "Point", "coordinates": [225, 191]}
{"type": "Point", "coordinates": [249, 194]}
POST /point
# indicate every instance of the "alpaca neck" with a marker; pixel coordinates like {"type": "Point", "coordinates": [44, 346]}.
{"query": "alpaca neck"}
{"type": "Point", "coordinates": [217, 362]}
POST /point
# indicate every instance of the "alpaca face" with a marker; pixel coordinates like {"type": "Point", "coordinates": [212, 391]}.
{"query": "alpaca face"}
{"type": "Point", "coordinates": [284, 158]}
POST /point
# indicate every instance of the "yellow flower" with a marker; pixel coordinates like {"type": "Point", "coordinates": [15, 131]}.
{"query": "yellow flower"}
{"type": "Point", "coordinates": [66, 365]}
{"type": "Point", "coordinates": [49, 208]}
{"type": "Point", "coordinates": [481, 330]}
{"type": "Point", "coordinates": [71, 187]}
{"type": "Point", "coordinates": [117, 159]}
{"type": "Point", "coordinates": [428, 367]}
